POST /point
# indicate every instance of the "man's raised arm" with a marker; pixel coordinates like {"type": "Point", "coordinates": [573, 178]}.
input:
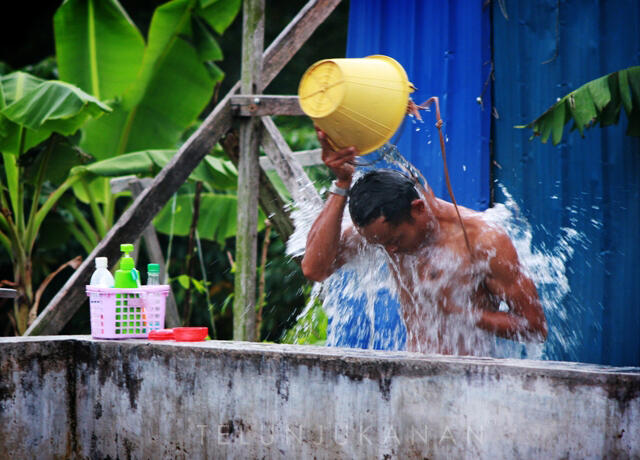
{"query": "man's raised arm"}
{"type": "Point", "coordinates": [325, 242]}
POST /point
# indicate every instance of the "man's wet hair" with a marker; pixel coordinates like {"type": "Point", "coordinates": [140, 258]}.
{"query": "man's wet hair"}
{"type": "Point", "coordinates": [382, 192]}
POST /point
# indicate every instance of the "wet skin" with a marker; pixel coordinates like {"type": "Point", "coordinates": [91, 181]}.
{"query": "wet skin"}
{"type": "Point", "coordinates": [438, 278]}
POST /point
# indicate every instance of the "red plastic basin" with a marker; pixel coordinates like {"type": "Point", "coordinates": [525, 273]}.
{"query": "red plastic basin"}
{"type": "Point", "coordinates": [190, 334]}
{"type": "Point", "coordinates": [161, 334]}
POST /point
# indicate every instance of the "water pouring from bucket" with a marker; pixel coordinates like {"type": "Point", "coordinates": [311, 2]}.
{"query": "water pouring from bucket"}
{"type": "Point", "coordinates": [452, 270]}
{"type": "Point", "coordinates": [361, 103]}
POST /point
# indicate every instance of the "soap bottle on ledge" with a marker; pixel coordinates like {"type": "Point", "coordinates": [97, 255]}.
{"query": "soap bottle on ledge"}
{"type": "Point", "coordinates": [127, 277]}
{"type": "Point", "coordinates": [102, 277]}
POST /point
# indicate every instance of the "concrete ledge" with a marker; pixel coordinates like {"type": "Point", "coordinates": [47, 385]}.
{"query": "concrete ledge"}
{"type": "Point", "coordinates": [63, 397]}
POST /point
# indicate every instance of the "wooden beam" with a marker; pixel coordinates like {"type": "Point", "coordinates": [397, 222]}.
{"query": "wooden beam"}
{"type": "Point", "coordinates": [270, 200]}
{"type": "Point", "coordinates": [290, 171]}
{"type": "Point", "coordinates": [244, 298]}
{"type": "Point", "coordinates": [131, 223]}
{"type": "Point", "coordinates": [260, 105]}
{"type": "Point", "coordinates": [303, 157]}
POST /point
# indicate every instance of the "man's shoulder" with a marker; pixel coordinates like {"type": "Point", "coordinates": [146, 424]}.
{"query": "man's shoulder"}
{"type": "Point", "coordinates": [486, 235]}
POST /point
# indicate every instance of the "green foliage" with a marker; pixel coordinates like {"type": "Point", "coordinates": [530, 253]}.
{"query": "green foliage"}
{"type": "Point", "coordinates": [217, 218]}
{"type": "Point", "coordinates": [598, 101]}
{"type": "Point", "coordinates": [160, 86]}
{"type": "Point", "coordinates": [215, 172]}
{"type": "Point", "coordinates": [31, 109]}
{"type": "Point", "coordinates": [311, 327]}
{"type": "Point", "coordinates": [185, 281]}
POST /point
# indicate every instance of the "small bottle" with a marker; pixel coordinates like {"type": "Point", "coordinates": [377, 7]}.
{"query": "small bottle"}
{"type": "Point", "coordinates": [153, 274]}
{"type": "Point", "coordinates": [102, 277]}
{"type": "Point", "coordinates": [127, 277]}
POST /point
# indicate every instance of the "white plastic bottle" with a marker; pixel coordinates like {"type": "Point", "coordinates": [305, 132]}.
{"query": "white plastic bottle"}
{"type": "Point", "coordinates": [102, 277]}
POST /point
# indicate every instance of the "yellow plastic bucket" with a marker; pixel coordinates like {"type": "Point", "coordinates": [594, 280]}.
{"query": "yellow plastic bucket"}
{"type": "Point", "coordinates": [358, 102]}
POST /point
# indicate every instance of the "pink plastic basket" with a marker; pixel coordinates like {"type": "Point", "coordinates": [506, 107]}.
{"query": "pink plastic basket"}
{"type": "Point", "coordinates": [126, 313]}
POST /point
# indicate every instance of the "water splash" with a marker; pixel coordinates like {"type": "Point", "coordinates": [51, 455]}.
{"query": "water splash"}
{"type": "Point", "coordinates": [361, 298]}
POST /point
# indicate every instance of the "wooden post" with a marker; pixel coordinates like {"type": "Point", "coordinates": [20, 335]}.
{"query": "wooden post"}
{"type": "Point", "coordinates": [133, 221]}
{"type": "Point", "coordinates": [244, 300]}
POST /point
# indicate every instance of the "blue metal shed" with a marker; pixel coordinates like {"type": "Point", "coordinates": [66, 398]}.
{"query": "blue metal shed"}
{"type": "Point", "coordinates": [537, 51]}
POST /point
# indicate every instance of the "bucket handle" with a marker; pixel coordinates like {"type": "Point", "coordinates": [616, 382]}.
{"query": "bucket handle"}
{"type": "Point", "coordinates": [413, 109]}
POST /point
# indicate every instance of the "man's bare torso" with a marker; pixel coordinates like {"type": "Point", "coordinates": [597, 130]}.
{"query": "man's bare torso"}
{"type": "Point", "coordinates": [440, 288]}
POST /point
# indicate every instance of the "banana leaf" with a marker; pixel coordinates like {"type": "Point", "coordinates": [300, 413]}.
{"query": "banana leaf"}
{"type": "Point", "coordinates": [219, 174]}
{"type": "Point", "coordinates": [216, 222]}
{"type": "Point", "coordinates": [42, 107]}
{"type": "Point", "coordinates": [596, 102]}
{"type": "Point", "coordinates": [219, 13]}
{"type": "Point", "coordinates": [98, 47]}
{"type": "Point", "coordinates": [170, 90]}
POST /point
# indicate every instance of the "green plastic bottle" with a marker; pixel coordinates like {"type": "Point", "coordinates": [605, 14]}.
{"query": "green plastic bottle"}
{"type": "Point", "coordinates": [127, 277]}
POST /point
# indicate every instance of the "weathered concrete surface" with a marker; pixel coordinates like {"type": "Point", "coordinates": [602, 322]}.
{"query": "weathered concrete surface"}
{"type": "Point", "coordinates": [64, 397]}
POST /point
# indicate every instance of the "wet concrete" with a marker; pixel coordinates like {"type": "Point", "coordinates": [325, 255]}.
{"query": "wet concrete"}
{"type": "Point", "coordinates": [75, 397]}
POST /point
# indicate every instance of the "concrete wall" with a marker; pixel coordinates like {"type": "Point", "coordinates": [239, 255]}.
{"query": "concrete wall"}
{"type": "Point", "coordinates": [64, 397]}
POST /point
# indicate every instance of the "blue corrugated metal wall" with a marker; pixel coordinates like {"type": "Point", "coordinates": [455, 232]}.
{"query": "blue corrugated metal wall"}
{"type": "Point", "coordinates": [445, 49]}
{"type": "Point", "coordinates": [542, 51]}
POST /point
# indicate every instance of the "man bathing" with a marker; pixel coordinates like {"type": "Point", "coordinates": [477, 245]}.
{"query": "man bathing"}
{"type": "Point", "coordinates": [450, 290]}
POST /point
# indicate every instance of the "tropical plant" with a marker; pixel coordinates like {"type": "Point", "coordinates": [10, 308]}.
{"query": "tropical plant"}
{"type": "Point", "coordinates": [596, 102]}
{"type": "Point", "coordinates": [35, 115]}
{"type": "Point", "coordinates": [154, 91]}
{"type": "Point", "coordinates": [156, 88]}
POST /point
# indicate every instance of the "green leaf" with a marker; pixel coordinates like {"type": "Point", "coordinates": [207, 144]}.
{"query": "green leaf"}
{"type": "Point", "coordinates": [634, 123]}
{"type": "Point", "coordinates": [599, 90]}
{"type": "Point", "coordinates": [634, 82]}
{"type": "Point", "coordinates": [99, 189]}
{"type": "Point", "coordinates": [217, 173]}
{"type": "Point", "coordinates": [206, 45]}
{"type": "Point", "coordinates": [543, 126]}
{"type": "Point", "coordinates": [215, 72]}
{"type": "Point", "coordinates": [42, 107]}
{"type": "Point", "coordinates": [147, 162]}
{"type": "Point", "coordinates": [582, 108]}
{"type": "Point", "coordinates": [63, 158]}
{"type": "Point", "coordinates": [219, 13]}
{"type": "Point", "coordinates": [217, 219]}
{"type": "Point", "coordinates": [558, 121]}
{"type": "Point", "coordinates": [16, 84]}
{"type": "Point", "coordinates": [98, 47]}
{"type": "Point", "coordinates": [183, 280]}
{"type": "Point", "coordinates": [172, 88]}
{"type": "Point", "coordinates": [223, 173]}
{"type": "Point", "coordinates": [310, 328]}
{"type": "Point", "coordinates": [625, 92]}
{"type": "Point", "coordinates": [598, 101]}
{"type": "Point", "coordinates": [54, 106]}
{"type": "Point", "coordinates": [611, 112]}
{"type": "Point", "coordinates": [2, 99]}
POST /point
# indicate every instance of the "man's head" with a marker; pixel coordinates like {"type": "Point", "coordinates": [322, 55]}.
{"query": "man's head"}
{"type": "Point", "coordinates": [382, 192]}
{"type": "Point", "coordinates": [384, 205]}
